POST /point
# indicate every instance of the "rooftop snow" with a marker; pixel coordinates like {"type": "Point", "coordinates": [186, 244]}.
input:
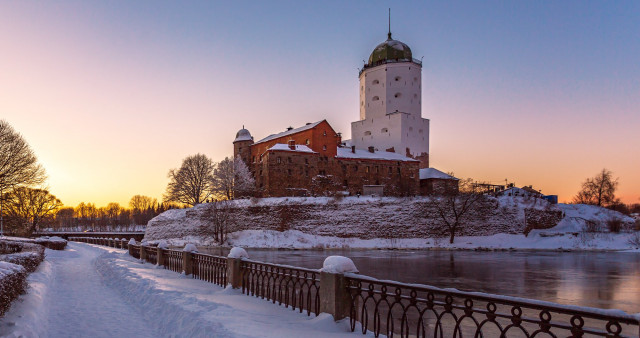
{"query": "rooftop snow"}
{"type": "Point", "coordinates": [428, 173]}
{"type": "Point", "coordinates": [299, 148]}
{"type": "Point", "coordinates": [289, 132]}
{"type": "Point", "coordinates": [378, 155]}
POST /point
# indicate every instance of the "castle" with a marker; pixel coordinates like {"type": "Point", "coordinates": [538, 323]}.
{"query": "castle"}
{"type": "Point", "coordinates": [388, 153]}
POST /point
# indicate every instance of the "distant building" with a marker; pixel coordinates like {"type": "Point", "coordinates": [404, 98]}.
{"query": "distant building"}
{"type": "Point", "coordinates": [434, 181]}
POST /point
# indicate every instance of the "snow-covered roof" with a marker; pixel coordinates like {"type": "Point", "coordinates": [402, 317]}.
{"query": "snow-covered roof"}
{"type": "Point", "coordinates": [289, 132]}
{"type": "Point", "coordinates": [428, 173]}
{"type": "Point", "coordinates": [378, 155]}
{"type": "Point", "coordinates": [299, 147]}
{"type": "Point", "coordinates": [243, 135]}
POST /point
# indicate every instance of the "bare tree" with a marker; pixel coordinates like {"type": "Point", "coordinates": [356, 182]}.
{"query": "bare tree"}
{"type": "Point", "coordinates": [220, 214]}
{"type": "Point", "coordinates": [18, 164]}
{"type": "Point", "coordinates": [64, 218]}
{"type": "Point", "coordinates": [142, 208]}
{"type": "Point", "coordinates": [31, 206]}
{"type": "Point", "coordinates": [454, 207]}
{"type": "Point", "coordinates": [599, 190]}
{"type": "Point", "coordinates": [191, 183]}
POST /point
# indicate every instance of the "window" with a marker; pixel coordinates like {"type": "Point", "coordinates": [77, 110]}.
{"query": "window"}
{"type": "Point", "coordinates": [306, 161]}
{"type": "Point", "coordinates": [397, 95]}
{"type": "Point", "coordinates": [375, 98]}
{"type": "Point", "coordinates": [289, 159]}
{"type": "Point", "coordinates": [384, 130]}
{"type": "Point", "coordinates": [324, 147]}
{"type": "Point", "coordinates": [366, 170]}
{"type": "Point", "coordinates": [367, 133]}
{"type": "Point", "coordinates": [390, 170]}
{"type": "Point", "coordinates": [278, 160]}
{"type": "Point", "coordinates": [377, 170]}
{"type": "Point", "coordinates": [307, 142]}
{"type": "Point", "coordinates": [322, 172]}
{"type": "Point", "coordinates": [375, 82]}
{"type": "Point", "coordinates": [324, 133]}
{"type": "Point", "coordinates": [289, 172]}
{"type": "Point", "coordinates": [355, 167]}
{"type": "Point", "coordinates": [397, 78]}
{"type": "Point", "coordinates": [254, 159]}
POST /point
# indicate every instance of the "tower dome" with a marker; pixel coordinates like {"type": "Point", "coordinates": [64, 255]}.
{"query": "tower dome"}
{"type": "Point", "coordinates": [243, 135]}
{"type": "Point", "coordinates": [390, 50]}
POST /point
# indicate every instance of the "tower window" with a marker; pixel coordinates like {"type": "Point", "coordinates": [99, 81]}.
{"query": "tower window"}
{"type": "Point", "coordinates": [384, 130]}
{"type": "Point", "coordinates": [367, 133]}
{"type": "Point", "coordinates": [397, 95]}
{"type": "Point", "coordinates": [375, 82]}
{"type": "Point", "coordinates": [375, 98]}
{"type": "Point", "coordinates": [397, 78]}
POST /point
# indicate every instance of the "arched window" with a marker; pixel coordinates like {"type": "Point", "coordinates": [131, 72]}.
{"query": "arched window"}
{"type": "Point", "coordinates": [375, 98]}
{"type": "Point", "coordinates": [384, 130]}
{"type": "Point", "coordinates": [375, 82]}
{"type": "Point", "coordinates": [367, 133]}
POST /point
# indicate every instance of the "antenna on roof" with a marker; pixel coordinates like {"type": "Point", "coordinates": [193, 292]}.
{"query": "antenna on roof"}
{"type": "Point", "coordinates": [389, 34]}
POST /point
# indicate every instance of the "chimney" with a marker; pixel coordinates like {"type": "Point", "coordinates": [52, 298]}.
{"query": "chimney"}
{"type": "Point", "coordinates": [292, 144]}
{"type": "Point", "coordinates": [289, 128]}
{"type": "Point", "coordinates": [353, 149]}
{"type": "Point", "coordinates": [371, 149]}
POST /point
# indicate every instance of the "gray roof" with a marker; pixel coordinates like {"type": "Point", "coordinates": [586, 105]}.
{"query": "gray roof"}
{"type": "Point", "coordinates": [430, 173]}
{"type": "Point", "coordinates": [289, 132]}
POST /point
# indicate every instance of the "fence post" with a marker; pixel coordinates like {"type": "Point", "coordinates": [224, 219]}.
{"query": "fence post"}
{"type": "Point", "coordinates": [187, 262]}
{"type": "Point", "coordinates": [130, 247]}
{"type": "Point", "coordinates": [143, 253]}
{"type": "Point", "coordinates": [234, 275]}
{"type": "Point", "coordinates": [160, 255]}
{"type": "Point", "coordinates": [334, 296]}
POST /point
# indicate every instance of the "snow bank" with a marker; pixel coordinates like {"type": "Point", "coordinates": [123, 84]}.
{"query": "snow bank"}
{"type": "Point", "coordinates": [338, 264]}
{"type": "Point", "coordinates": [237, 252]}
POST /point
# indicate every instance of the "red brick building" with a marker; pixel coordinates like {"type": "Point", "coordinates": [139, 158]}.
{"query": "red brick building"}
{"type": "Point", "coordinates": [312, 160]}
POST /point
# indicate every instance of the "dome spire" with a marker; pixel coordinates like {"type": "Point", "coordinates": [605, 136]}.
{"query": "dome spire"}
{"type": "Point", "coordinates": [389, 34]}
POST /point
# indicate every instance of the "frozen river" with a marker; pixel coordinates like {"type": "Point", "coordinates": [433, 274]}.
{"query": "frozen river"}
{"type": "Point", "coordinates": [604, 279]}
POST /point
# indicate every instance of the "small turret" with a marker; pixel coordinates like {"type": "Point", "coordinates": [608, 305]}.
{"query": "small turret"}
{"type": "Point", "coordinates": [242, 145]}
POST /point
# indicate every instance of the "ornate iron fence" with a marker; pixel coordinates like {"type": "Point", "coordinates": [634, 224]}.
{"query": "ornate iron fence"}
{"type": "Point", "coordinates": [409, 310]}
{"type": "Point", "coordinates": [135, 251]}
{"type": "Point", "coordinates": [152, 254]}
{"type": "Point", "coordinates": [291, 286]}
{"type": "Point", "coordinates": [212, 269]}
{"type": "Point", "coordinates": [173, 260]}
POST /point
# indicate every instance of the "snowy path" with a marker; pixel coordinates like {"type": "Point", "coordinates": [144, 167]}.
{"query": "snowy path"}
{"type": "Point", "coordinates": [79, 301]}
{"type": "Point", "coordinates": [92, 291]}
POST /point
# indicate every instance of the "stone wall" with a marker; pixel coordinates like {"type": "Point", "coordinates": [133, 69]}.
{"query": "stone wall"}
{"type": "Point", "coordinates": [364, 218]}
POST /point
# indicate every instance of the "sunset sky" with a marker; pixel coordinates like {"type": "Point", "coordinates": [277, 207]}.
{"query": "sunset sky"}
{"type": "Point", "coordinates": [113, 94]}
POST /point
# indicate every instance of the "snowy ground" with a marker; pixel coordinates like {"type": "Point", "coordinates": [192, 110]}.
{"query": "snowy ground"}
{"type": "Point", "coordinates": [92, 291]}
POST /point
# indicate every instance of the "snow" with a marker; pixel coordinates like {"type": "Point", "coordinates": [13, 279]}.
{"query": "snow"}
{"type": "Point", "coordinates": [132, 242]}
{"type": "Point", "coordinates": [298, 148]}
{"type": "Point", "coordinates": [378, 155]}
{"type": "Point", "coordinates": [338, 264]}
{"type": "Point", "coordinates": [190, 248]}
{"type": "Point", "coordinates": [89, 290]}
{"type": "Point", "coordinates": [289, 132]}
{"type": "Point", "coordinates": [427, 173]}
{"type": "Point", "coordinates": [7, 268]}
{"type": "Point", "coordinates": [237, 252]}
{"type": "Point", "coordinates": [163, 245]}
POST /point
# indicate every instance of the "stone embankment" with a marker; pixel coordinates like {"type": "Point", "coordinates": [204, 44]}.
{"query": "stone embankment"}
{"type": "Point", "coordinates": [364, 218]}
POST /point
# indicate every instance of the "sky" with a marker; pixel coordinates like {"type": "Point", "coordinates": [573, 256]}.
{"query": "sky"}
{"type": "Point", "coordinates": [111, 95]}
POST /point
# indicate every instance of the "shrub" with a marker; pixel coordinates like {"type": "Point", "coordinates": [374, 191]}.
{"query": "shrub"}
{"type": "Point", "coordinates": [591, 226]}
{"type": "Point", "coordinates": [614, 225]}
{"type": "Point", "coordinates": [13, 283]}
{"type": "Point", "coordinates": [634, 240]}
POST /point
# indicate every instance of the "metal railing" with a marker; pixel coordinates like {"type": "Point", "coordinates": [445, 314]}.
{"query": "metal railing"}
{"type": "Point", "coordinates": [212, 269]}
{"type": "Point", "coordinates": [291, 286]}
{"type": "Point", "coordinates": [409, 310]}
{"type": "Point", "coordinates": [173, 260]}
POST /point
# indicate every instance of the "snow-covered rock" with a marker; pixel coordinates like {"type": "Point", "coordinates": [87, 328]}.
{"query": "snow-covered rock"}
{"type": "Point", "coordinates": [338, 264]}
{"type": "Point", "coordinates": [190, 248]}
{"type": "Point", "coordinates": [237, 252]}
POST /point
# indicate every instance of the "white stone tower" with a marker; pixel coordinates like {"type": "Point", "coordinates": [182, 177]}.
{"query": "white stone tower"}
{"type": "Point", "coordinates": [391, 103]}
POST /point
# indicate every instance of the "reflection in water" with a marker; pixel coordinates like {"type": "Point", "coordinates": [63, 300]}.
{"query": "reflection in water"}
{"type": "Point", "coordinates": [603, 280]}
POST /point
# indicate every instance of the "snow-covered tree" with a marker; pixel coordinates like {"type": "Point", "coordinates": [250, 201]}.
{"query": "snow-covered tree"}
{"type": "Point", "coordinates": [232, 178]}
{"type": "Point", "coordinates": [243, 184]}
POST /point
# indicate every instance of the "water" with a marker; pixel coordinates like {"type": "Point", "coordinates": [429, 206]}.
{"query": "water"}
{"type": "Point", "coordinates": [609, 280]}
